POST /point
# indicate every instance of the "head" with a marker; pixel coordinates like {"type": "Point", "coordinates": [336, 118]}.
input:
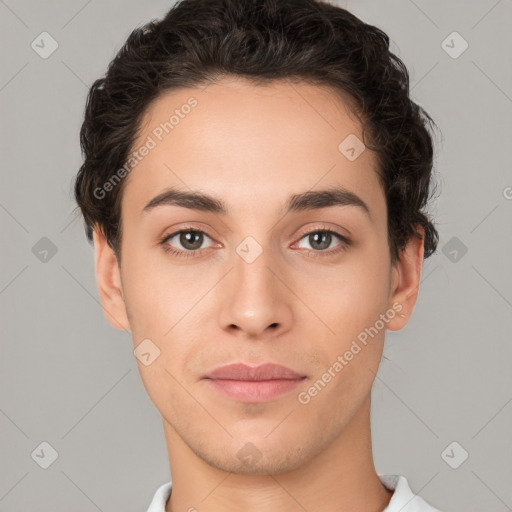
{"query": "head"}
{"type": "Point", "coordinates": [255, 180]}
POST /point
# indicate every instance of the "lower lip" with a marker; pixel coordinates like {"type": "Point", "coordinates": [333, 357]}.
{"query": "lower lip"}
{"type": "Point", "coordinates": [254, 391]}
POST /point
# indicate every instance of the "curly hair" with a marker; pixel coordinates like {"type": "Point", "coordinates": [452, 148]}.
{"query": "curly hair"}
{"type": "Point", "coordinates": [200, 41]}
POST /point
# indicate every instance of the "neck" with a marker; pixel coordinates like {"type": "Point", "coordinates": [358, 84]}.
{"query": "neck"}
{"type": "Point", "coordinates": [339, 478]}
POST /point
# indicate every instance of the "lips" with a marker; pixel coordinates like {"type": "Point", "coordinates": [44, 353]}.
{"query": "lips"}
{"type": "Point", "coordinates": [258, 384]}
{"type": "Point", "coordinates": [268, 371]}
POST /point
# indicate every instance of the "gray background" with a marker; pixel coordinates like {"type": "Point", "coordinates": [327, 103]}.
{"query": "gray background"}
{"type": "Point", "coordinates": [68, 378]}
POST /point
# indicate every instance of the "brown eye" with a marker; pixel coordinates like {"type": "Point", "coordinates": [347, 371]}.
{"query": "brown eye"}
{"type": "Point", "coordinates": [321, 239]}
{"type": "Point", "coordinates": [321, 242]}
{"type": "Point", "coordinates": [185, 241]}
{"type": "Point", "coordinates": [191, 240]}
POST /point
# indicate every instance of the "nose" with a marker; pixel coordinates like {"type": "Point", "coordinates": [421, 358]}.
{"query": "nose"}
{"type": "Point", "coordinates": [254, 298]}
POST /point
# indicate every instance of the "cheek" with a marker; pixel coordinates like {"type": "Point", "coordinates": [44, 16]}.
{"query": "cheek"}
{"type": "Point", "coordinates": [349, 297]}
{"type": "Point", "coordinates": [350, 302]}
{"type": "Point", "coordinates": [156, 294]}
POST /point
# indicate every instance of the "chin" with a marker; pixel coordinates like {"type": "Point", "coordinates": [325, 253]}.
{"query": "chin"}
{"type": "Point", "coordinates": [255, 458]}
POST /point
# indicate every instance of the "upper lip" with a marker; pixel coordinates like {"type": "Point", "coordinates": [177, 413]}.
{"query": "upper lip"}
{"type": "Point", "coordinates": [240, 371]}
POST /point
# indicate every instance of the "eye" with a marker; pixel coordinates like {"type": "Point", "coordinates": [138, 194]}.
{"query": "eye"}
{"type": "Point", "coordinates": [187, 242]}
{"type": "Point", "coordinates": [320, 240]}
{"type": "Point", "coordinates": [189, 239]}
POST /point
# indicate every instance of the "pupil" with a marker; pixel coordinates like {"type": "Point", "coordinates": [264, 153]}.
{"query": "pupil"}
{"type": "Point", "coordinates": [320, 235]}
{"type": "Point", "coordinates": [185, 239]}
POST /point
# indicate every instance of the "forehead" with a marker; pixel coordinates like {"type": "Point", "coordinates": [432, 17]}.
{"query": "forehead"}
{"type": "Point", "coordinates": [241, 141]}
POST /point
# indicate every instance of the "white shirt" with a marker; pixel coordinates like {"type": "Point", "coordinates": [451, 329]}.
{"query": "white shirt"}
{"type": "Point", "coordinates": [403, 499]}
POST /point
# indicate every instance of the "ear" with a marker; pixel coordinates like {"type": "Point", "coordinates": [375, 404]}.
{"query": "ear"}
{"type": "Point", "coordinates": [108, 277]}
{"type": "Point", "coordinates": [405, 280]}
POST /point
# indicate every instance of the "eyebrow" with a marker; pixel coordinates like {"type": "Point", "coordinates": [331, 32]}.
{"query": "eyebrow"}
{"type": "Point", "coordinates": [310, 200]}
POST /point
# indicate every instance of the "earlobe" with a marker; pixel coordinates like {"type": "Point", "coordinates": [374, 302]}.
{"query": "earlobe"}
{"type": "Point", "coordinates": [108, 278]}
{"type": "Point", "coordinates": [405, 281]}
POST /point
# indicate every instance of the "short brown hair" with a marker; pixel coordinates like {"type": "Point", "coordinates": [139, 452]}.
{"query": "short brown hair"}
{"type": "Point", "coordinates": [201, 41]}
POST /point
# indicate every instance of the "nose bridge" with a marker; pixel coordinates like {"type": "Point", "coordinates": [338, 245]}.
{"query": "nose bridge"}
{"type": "Point", "coordinates": [254, 299]}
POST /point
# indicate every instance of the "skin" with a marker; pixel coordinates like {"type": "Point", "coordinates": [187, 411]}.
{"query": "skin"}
{"type": "Point", "coordinates": [254, 146]}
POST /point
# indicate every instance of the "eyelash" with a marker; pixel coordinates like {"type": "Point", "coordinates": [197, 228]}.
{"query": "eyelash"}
{"type": "Point", "coordinates": [345, 243]}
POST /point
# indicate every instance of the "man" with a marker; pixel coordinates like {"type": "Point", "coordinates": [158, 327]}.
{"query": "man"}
{"type": "Point", "coordinates": [254, 181]}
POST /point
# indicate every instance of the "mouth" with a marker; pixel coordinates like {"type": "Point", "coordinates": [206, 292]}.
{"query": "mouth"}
{"type": "Point", "coordinates": [254, 384]}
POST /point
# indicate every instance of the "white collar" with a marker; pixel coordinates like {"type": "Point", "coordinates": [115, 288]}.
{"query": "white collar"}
{"type": "Point", "coordinates": [403, 499]}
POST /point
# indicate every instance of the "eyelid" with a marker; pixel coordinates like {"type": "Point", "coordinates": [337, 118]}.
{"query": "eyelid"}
{"type": "Point", "coordinates": [323, 227]}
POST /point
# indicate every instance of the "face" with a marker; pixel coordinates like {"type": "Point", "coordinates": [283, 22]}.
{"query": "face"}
{"type": "Point", "coordinates": [255, 272]}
